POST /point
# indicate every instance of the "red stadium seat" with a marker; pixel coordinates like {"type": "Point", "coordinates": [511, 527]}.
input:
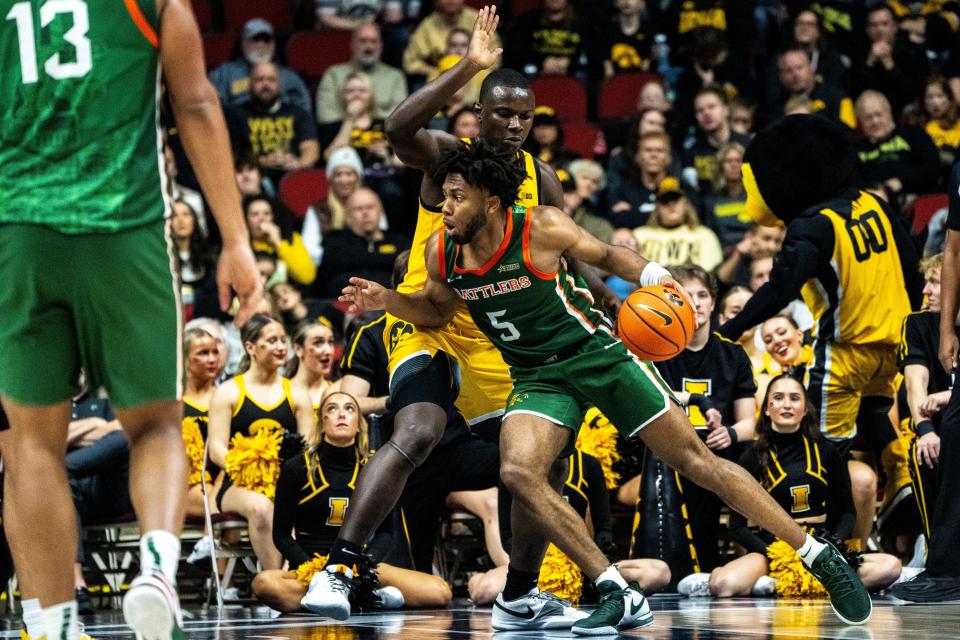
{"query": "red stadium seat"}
{"type": "Point", "coordinates": [618, 94]}
{"type": "Point", "coordinates": [580, 137]}
{"type": "Point", "coordinates": [203, 14]}
{"type": "Point", "coordinates": [217, 48]}
{"type": "Point", "coordinates": [310, 53]}
{"type": "Point", "coordinates": [520, 7]}
{"type": "Point", "coordinates": [300, 189]}
{"type": "Point", "coordinates": [923, 208]}
{"type": "Point", "coordinates": [276, 12]}
{"type": "Point", "coordinates": [564, 94]}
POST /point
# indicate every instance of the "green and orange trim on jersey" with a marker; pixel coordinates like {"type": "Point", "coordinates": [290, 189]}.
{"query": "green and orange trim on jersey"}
{"type": "Point", "coordinates": [142, 23]}
{"type": "Point", "coordinates": [527, 258]}
{"type": "Point", "coordinates": [495, 258]}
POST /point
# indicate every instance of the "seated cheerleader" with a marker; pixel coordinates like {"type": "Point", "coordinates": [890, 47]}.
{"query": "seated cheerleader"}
{"type": "Point", "coordinates": [203, 365]}
{"type": "Point", "coordinates": [251, 416]}
{"type": "Point", "coordinates": [310, 370]}
{"type": "Point", "coordinates": [313, 494]}
{"type": "Point", "coordinates": [808, 478]}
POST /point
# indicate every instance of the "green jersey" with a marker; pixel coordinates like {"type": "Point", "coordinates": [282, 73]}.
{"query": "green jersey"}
{"type": "Point", "coordinates": [532, 317]}
{"type": "Point", "coordinates": [80, 145]}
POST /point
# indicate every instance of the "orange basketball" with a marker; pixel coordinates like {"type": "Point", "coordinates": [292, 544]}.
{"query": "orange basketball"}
{"type": "Point", "coordinates": [656, 323]}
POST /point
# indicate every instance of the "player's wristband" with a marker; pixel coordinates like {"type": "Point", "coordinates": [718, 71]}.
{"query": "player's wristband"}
{"type": "Point", "coordinates": [734, 438]}
{"type": "Point", "coordinates": [924, 427]}
{"type": "Point", "coordinates": [652, 274]}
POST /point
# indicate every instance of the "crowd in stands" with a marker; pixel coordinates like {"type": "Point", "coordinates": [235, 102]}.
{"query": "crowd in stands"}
{"type": "Point", "coordinates": [664, 178]}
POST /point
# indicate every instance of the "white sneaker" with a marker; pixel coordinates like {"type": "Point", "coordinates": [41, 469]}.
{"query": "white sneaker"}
{"type": "Point", "coordinates": [536, 610]}
{"type": "Point", "coordinates": [764, 587]}
{"type": "Point", "coordinates": [908, 573]}
{"type": "Point", "coordinates": [152, 608]}
{"type": "Point", "coordinates": [329, 593]}
{"type": "Point", "coordinates": [695, 585]}
{"type": "Point", "coordinates": [919, 559]}
{"type": "Point", "coordinates": [388, 597]}
{"type": "Point", "coordinates": [201, 551]}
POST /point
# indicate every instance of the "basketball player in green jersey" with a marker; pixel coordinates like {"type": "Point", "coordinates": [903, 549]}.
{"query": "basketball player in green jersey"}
{"type": "Point", "coordinates": [86, 258]}
{"type": "Point", "coordinates": [506, 264]}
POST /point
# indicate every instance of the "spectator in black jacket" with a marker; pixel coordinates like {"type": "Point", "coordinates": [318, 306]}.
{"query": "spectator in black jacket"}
{"type": "Point", "coordinates": [361, 248]}
{"type": "Point", "coordinates": [891, 64]}
{"type": "Point", "coordinates": [900, 159]}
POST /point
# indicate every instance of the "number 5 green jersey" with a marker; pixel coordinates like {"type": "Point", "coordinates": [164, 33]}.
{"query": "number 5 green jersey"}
{"type": "Point", "coordinates": [532, 317]}
{"type": "Point", "coordinates": [80, 146]}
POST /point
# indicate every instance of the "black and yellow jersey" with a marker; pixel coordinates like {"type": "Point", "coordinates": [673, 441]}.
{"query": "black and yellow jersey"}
{"type": "Point", "coordinates": [249, 415]}
{"type": "Point", "coordinates": [920, 344]}
{"type": "Point", "coordinates": [197, 414]}
{"type": "Point", "coordinates": [856, 270]}
{"type": "Point", "coordinates": [808, 479]}
{"type": "Point", "coordinates": [365, 356]}
{"type": "Point", "coordinates": [720, 370]}
{"type": "Point", "coordinates": [430, 220]}
{"type": "Point", "coordinates": [313, 504]}
{"type": "Point", "coordinates": [587, 487]}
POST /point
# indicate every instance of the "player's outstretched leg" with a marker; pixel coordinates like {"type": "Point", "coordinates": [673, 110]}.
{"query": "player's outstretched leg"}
{"type": "Point", "coordinates": [417, 429]}
{"type": "Point", "coordinates": [672, 438]}
{"type": "Point", "coordinates": [158, 481]}
{"type": "Point", "coordinates": [529, 444]}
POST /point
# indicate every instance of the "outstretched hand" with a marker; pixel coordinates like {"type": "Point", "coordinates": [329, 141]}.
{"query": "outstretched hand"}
{"type": "Point", "coordinates": [364, 295]}
{"type": "Point", "coordinates": [479, 51]}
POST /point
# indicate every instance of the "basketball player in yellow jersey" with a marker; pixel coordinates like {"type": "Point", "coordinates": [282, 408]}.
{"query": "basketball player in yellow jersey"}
{"type": "Point", "coordinates": [433, 369]}
{"type": "Point", "coordinates": [854, 266]}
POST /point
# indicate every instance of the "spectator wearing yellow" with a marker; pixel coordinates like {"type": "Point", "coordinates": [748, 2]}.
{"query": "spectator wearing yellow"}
{"type": "Point", "coordinates": [267, 237]}
{"type": "Point", "coordinates": [674, 236]}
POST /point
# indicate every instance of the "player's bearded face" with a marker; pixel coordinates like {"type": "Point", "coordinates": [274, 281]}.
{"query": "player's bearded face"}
{"type": "Point", "coordinates": [463, 209]}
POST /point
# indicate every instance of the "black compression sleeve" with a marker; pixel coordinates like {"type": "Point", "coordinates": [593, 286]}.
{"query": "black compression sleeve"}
{"type": "Point", "coordinates": [808, 243]}
{"type": "Point", "coordinates": [284, 503]}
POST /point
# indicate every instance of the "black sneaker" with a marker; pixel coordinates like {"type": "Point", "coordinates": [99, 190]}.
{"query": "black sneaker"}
{"type": "Point", "coordinates": [928, 588]}
{"type": "Point", "coordinates": [848, 597]}
{"type": "Point", "coordinates": [84, 602]}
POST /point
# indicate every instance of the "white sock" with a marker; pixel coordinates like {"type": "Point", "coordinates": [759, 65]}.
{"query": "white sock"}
{"type": "Point", "coordinates": [810, 550]}
{"type": "Point", "coordinates": [160, 551]}
{"type": "Point", "coordinates": [612, 574]}
{"type": "Point", "coordinates": [60, 622]}
{"type": "Point", "coordinates": [32, 618]}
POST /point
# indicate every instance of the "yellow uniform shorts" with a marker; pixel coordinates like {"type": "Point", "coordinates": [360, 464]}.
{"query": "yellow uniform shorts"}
{"type": "Point", "coordinates": [482, 379]}
{"type": "Point", "coordinates": [843, 374]}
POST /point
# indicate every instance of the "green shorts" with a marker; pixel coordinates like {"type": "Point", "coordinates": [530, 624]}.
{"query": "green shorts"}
{"type": "Point", "coordinates": [106, 303]}
{"type": "Point", "coordinates": [602, 373]}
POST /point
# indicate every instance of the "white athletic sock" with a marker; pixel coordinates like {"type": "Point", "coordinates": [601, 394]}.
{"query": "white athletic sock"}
{"type": "Point", "coordinates": [60, 622]}
{"type": "Point", "coordinates": [160, 551]}
{"type": "Point", "coordinates": [810, 550]}
{"type": "Point", "coordinates": [612, 574]}
{"type": "Point", "coordinates": [32, 618]}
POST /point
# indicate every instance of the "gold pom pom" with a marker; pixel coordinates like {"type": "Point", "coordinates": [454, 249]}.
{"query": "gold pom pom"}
{"type": "Point", "coordinates": [193, 443]}
{"type": "Point", "coordinates": [310, 568]}
{"type": "Point", "coordinates": [253, 462]}
{"type": "Point", "coordinates": [793, 578]}
{"type": "Point", "coordinates": [560, 576]}
{"type": "Point", "coordinates": [598, 438]}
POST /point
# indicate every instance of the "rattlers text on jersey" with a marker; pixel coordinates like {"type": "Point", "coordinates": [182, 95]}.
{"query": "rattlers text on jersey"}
{"type": "Point", "coordinates": [484, 380]}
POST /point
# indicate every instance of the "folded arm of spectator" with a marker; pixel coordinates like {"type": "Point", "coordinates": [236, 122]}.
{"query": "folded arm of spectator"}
{"type": "Point", "coordinates": [106, 454]}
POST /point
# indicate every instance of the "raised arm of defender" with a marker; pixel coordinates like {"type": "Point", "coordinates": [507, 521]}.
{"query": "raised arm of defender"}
{"type": "Point", "coordinates": [415, 145]}
{"type": "Point", "coordinates": [433, 306]}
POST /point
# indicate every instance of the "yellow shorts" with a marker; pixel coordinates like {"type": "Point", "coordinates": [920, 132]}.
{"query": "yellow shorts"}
{"type": "Point", "coordinates": [483, 378]}
{"type": "Point", "coordinates": [841, 375]}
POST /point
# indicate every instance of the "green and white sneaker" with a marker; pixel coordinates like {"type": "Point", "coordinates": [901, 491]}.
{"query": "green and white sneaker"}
{"type": "Point", "coordinates": [619, 610]}
{"type": "Point", "coordinates": [848, 597]}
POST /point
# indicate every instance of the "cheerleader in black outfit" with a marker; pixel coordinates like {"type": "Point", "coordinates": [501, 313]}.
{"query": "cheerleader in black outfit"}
{"type": "Point", "coordinates": [313, 495]}
{"type": "Point", "coordinates": [808, 478]}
